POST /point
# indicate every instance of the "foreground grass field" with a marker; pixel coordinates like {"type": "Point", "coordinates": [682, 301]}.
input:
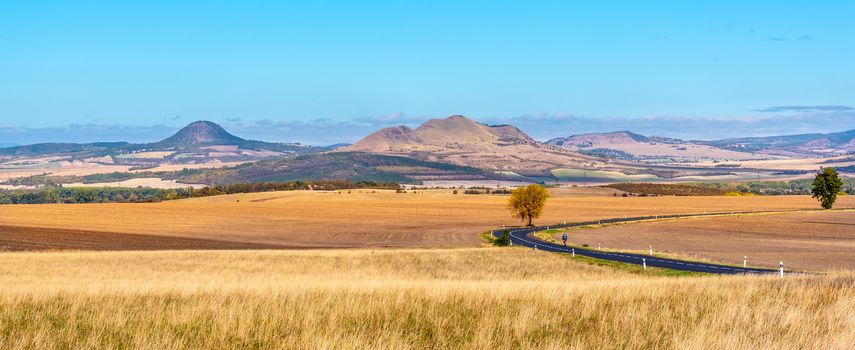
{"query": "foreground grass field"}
{"type": "Point", "coordinates": [445, 298]}
{"type": "Point", "coordinates": [301, 219]}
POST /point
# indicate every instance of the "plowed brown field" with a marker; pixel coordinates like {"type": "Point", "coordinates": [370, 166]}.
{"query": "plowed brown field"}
{"type": "Point", "coordinates": [312, 219]}
{"type": "Point", "coordinates": [16, 238]}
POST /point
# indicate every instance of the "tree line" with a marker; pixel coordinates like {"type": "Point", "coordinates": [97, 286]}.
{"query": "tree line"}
{"type": "Point", "coordinates": [774, 188]}
{"type": "Point", "coordinates": [58, 194]}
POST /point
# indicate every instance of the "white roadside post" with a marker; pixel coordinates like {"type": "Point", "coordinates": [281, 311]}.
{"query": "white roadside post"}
{"type": "Point", "coordinates": [598, 246]}
{"type": "Point", "coordinates": [745, 261]}
{"type": "Point", "coordinates": [573, 251]}
{"type": "Point", "coordinates": [651, 249]}
{"type": "Point", "coordinates": [782, 269]}
{"type": "Point", "coordinates": [644, 262]}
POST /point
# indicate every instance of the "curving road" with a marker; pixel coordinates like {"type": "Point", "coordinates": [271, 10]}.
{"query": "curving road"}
{"type": "Point", "coordinates": [523, 236]}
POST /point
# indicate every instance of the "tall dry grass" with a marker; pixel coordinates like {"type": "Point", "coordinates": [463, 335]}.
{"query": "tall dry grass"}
{"type": "Point", "coordinates": [451, 298]}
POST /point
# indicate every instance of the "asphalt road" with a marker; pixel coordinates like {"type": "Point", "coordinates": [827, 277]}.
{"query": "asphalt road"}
{"type": "Point", "coordinates": [522, 236]}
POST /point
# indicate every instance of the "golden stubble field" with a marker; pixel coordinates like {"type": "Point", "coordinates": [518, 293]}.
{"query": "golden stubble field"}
{"type": "Point", "coordinates": [812, 240]}
{"type": "Point", "coordinates": [307, 219]}
{"type": "Point", "coordinates": [491, 298]}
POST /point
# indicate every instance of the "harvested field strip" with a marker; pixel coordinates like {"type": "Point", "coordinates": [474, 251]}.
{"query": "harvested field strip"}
{"type": "Point", "coordinates": [806, 240]}
{"type": "Point", "coordinates": [675, 217]}
{"type": "Point", "coordinates": [316, 219]}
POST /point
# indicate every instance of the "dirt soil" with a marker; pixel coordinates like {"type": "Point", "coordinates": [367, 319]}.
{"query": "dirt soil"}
{"type": "Point", "coordinates": [15, 238]}
{"type": "Point", "coordinates": [805, 240]}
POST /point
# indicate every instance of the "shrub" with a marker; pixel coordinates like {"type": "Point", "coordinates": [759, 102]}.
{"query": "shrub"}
{"type": "Point", "coordinates": [503, 240]}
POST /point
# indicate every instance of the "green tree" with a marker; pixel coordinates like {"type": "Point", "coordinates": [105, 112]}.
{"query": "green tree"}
{"type": "Point", "coordinates": [51, 195]}
{"type": "Point", "coordinates": [826, 185]}
{"type": "Point", "coordinates": [526, 203]}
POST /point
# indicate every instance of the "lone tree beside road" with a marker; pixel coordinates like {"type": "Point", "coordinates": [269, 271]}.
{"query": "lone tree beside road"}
{"type": "Point", "coordinates": [825, 187]}
{"type": "Point", "coordinates": [527, 202]}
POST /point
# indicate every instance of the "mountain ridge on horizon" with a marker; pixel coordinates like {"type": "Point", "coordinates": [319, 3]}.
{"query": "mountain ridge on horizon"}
{"type": "Point", "coordinates": [224, 135]}
{"type": "Point", "coordinates": [452, 148]}
{"type": "Point", "coordinates": [728, 139]}
{"type": "Point", "coordinates": [454, 132]}
{"type": "Point", "coordinates": [796, 144]}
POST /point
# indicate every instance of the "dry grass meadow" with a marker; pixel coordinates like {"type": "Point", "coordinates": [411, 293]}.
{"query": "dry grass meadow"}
{"type": "Point", "coordinates": [491, 298]}
{"type": "Point", "coordinates": [346, 219]}
{"type": "Point", "coordinates": [201, 273]}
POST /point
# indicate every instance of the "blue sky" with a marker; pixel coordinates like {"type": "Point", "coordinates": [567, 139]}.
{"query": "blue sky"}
{"type": "Point", "coordinates": [331, 71]}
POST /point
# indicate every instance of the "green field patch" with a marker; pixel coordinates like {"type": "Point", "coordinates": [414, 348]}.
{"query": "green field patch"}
{"type": "Point", "coordinates": [600, 175]}
{"type": "Point", "coordinates": [146, 155]}
{"type": "Point", "coordinates": [510, 174]}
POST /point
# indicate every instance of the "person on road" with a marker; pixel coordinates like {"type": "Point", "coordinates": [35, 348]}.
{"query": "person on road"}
{"type": "Point", "coordinates": [564, 238]}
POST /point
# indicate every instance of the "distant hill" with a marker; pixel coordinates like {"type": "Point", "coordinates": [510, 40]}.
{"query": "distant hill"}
{"type": "Point", "coordinates": [354, 166]}
{"type": "Point", "coordinates": [459, 140]}
{"type": "Point", "coordinates": [453, 132]}
{"type": "Point", "coordinates": [599, 138]}
{"type": "Point", "coordinates": [386, 139]}
{"type": "Point", "coordinates": [197, 142]}
{"type": "Point", "coordinates": [802, 144]}
{"type": "Point", "coordinates": [453, 148]}
{"type": "Point", "coordinates": [201, 133]}
{"type": "Point", "coordinates": [632, 146]}
{"type": "Point", "coordinates": [629, 145]}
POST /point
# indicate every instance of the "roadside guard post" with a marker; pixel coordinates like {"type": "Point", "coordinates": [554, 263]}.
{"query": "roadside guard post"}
{"type": "Point", "coordinates": [782, 268]}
